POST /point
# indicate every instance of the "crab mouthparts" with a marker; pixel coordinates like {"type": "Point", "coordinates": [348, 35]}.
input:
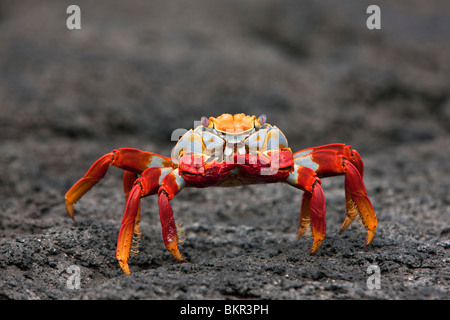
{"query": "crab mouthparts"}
{"type": "Point", "coordinates": [232, 148]}
{"type": "Point", "coordinates": [234, 143]}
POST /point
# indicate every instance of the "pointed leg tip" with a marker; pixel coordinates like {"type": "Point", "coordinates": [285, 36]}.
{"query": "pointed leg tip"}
{"type": "Point", "coordinates": [177, 255]}
{"type": "Point", "coordinates": [348, 220]}
{"type": "Point", "coordinates": [173, 249]}
{"type": "Point", "coordinates": [315, 247]}
{"type": "Point", "coordinates": [369, 239]}
{"type": "Point", "coordinates": [70, 210]}
{"type": "Point", "coordinates": [124, 266]}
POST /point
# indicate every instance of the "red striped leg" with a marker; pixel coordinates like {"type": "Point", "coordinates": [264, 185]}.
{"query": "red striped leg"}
{"type": "Point", "coordinates": [133, 160]}
{"type": "Point", "coordinates": [313, 204]}
{"type": "Point", "coordinates": [305, 216]}
{"type": "Point", "coordinates": [358, 202]}
{"type": "Point", "coordinates": [128, 182]}
{"type": "Point", "coordinates": [339, 159]}
{"type": "Point", "coordinates": [146, 185]}
{"type": "Point", "coordinates": [171, 185]}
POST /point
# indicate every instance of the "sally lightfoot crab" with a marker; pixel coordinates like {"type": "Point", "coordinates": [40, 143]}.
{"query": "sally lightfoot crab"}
{"type": "Point", "coordinates": [230, 150]}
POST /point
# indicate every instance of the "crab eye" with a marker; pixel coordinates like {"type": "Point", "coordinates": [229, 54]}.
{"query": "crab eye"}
{"type": "Point", "coordinates": [262, 119]}
{"type": "Point", "coordinates": [205, 121]}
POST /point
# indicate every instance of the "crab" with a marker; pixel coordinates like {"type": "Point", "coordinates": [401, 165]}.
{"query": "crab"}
{"type": "Point", "coordinates": [230, 150]}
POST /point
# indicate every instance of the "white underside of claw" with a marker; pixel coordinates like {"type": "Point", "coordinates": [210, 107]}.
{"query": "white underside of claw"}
{"type": "Point", "coordinates": [306, 161]}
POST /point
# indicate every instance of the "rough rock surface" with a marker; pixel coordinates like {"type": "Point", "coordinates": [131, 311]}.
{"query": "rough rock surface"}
{"type": "Point", "coordinates": [137, 70]}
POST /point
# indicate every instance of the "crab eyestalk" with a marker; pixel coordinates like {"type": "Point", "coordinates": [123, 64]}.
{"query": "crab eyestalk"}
{"type": "Point", "coordinates": [205, 122]}
{"type": "Point", "coordinates": [260, 121]}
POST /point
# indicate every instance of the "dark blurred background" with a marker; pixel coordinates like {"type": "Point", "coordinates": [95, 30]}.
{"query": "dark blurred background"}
{"type": "Point", "coordinates": [144, 68]}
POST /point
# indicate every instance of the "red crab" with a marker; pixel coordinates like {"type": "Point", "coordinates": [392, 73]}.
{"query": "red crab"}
{"type": "Point", "coordinates": [230, 150]}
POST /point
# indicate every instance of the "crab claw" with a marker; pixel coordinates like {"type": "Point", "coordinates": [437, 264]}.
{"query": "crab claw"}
{"type": "Point", "coordinates": [133, 160]}
{"type": "Point", "coordinates": [94, 175]}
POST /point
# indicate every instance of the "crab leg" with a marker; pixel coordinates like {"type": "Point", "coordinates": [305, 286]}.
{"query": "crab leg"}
{"type": "Point", "coordinates": [171, 185]}
{"type": "Point", "coordinates": [339, 159]}
{"type": "Point", "coordinates": [331, 150]}
{"type": "Point", "coordinates": [358, 202]}
{"type": "Point", "coordinates": [313, 204]}
{"type": "Point", "coordinates": [146, 185]}
{"type": "Point", "coordinates": [129, 178]}
{"type": "Point", "coordinates": [133, 160]}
